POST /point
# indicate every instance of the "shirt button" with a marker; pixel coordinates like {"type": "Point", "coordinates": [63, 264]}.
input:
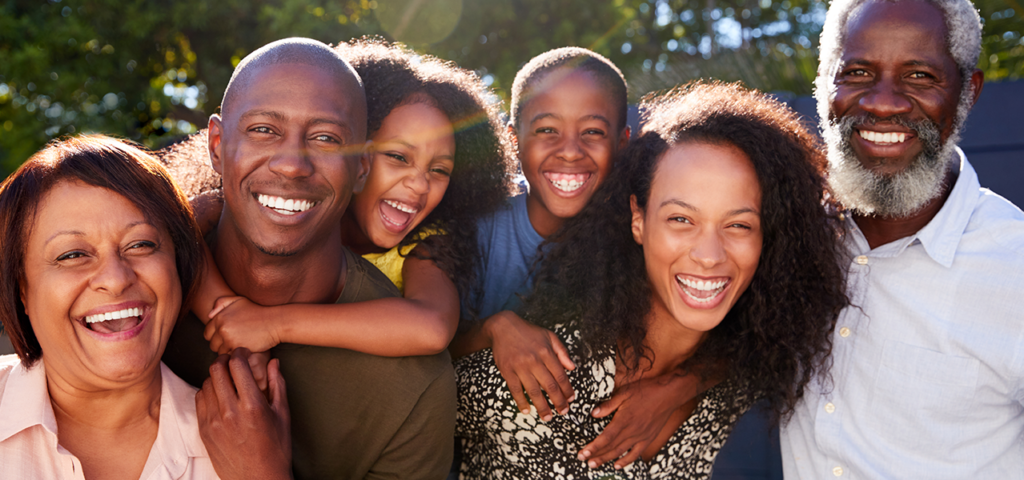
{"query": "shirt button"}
{"type": "Point", "coordinates": [838, 471]}
{"type": "Point", "coordinates": [830, 407]}
{"type": "Point", "coordinates": [844, 332]}
{"type": "Point", "coordinates": [862, 260]}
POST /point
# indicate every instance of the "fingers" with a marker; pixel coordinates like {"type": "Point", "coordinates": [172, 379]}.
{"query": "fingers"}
{"type": "Point", "coordinates": [562, 353]}
{"type": "Point", "coordinates": [555, 382]}
{"type": "Point", "coordinates": [245, 384]}
{"type": "Point", "coordinates": [630, 457]}
{"type": "Point", "coordinates": [611, 405]}
{"type": "Point", "coordinates": [222, 386]}
{"type": "Point", "coordinates": [607, 448]}
{"type": "Point", "coordinates": [533, 390]}
{"type": "Point", "coordinates": [258, 365]}
{"type": "Point", "coordinates": [278, 394]}
{"type": "Point", "coordinates": [516, 388]}
{"type": "Point", "coordinates": [221, 304]}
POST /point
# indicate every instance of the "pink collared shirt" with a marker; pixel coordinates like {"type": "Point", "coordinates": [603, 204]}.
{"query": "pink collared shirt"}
{"type": "Point", "coordinates": [28, 430]}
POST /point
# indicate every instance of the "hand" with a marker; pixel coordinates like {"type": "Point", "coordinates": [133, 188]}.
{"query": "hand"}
{"type": "Point", "coordinates": [533, 359]}
{"type": "Point", "coordinates": [643, 408]}
{"type": "Point", "coordinates": [245, 436]}
{"type": "Point", "coordinates": [237, 322]}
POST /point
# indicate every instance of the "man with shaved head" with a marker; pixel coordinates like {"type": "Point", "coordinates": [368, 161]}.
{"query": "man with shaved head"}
{"type": "Point", "coordinates": [288, 145]}
{"type": "Point", "coordinates": [927, 376]}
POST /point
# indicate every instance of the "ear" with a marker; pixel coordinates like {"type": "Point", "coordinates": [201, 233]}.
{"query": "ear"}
{"type": "Point", "coordinates": [638, 220]}
{"type": "Point", "coordinates": [364, 166]}
{"type": "Point", "coordinates": [213, 138]}
{"type": "Point", "coordinates": [624, 137]}
{"type": "Point", "coordinates": [977, 82]}
{"type": "Point", "coordinates": [513, 136]}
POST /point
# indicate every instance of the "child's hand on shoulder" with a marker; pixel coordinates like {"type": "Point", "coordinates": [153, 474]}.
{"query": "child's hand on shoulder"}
{"type": "Point", "coordinates": [238, 322]}
{"type": "Point", "coordinates": [533, 359]}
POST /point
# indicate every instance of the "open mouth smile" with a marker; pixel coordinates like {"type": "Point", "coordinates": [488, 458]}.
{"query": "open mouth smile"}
{"type": "Point", "coordinates": [397, 215]}
{"type": "Point", "coordinates": [285, 206]}
{"type": "Point", "coordinates": [701, 291]}
{"type": "Point", "coordinates": [125, 322]}
{"type": "Point", "coordinates": [567, 182]}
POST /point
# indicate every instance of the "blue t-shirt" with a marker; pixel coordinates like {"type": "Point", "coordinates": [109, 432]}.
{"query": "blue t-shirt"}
{"type": "Point", "coordinates": [508, 247]}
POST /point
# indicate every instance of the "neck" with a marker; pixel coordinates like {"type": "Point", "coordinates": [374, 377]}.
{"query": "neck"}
{"type": "Point", "coordinates": [314, 275]}
{"type": "Point", "coordinates": [879, 231]}
{"type": "Point", "coordinates": [110, 410]}
{"type": "Point", "coordinates": [669, 343]}
{"type": "Point", "coordinates": [542, 220]}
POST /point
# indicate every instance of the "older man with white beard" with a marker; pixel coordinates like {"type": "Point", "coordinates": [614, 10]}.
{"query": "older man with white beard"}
{"type": "Point", "coordinates": [927, 377]}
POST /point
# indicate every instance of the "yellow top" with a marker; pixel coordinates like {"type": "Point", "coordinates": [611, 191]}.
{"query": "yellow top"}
{"type": "Point", "coordinates": [391, 262]}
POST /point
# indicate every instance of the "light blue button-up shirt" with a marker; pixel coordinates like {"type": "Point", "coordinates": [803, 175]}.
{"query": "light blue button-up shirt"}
{"type": "Point", "coordinates": [928, 363]}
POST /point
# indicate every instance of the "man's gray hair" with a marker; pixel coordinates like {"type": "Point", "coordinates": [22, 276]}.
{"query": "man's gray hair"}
{"type": "Point", "coordinates": [963, 40]}
{"type": "Point", "coordinates": [295, 50]}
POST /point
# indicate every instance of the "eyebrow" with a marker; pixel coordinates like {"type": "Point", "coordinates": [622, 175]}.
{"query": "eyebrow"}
{"type": "Point", "coordinates": [262, 113]}
{"type": "Point", "coordinates": [683, 204]}
{"type": "Point", "coordinates": [77, 233]}
{"type": "Point", "coordinates": [541, 116]}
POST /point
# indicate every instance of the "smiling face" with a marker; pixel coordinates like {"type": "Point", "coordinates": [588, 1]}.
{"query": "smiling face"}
{"type": "Point", "coordinates": [893, 112]}
{"type": "Point", "coordinates": [701, 232]}
{"type": "Point", "coordinates": [567, 139]}
{"type": "Point", "coordinates": [101, 289]}
{"type": "Point", "coordinates": [413, 157]}
{"type": "Point", "coordinates": [290, 153]}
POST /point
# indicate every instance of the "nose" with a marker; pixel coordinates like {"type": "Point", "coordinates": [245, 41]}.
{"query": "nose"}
{"type": "Point", "coordinates": [570, 149]}
{"type": "Point", "coordinates": [113, 275]}
{"type": "Point", "coordinates": [292, 160]}
{"type": "Point", "coordinates": [417, 182]}
{"type": "Point", "coordinates": [709, 250]}
{"type": "Point", "coordinates": [885, 99]}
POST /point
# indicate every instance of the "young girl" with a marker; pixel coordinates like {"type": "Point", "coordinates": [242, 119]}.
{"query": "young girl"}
{"type": "Point", "coordinates": [568, 121]}
{"type": "Point", "coordinates": [438, 165]}
{"type": "Point", "coordinates": [708, 246]}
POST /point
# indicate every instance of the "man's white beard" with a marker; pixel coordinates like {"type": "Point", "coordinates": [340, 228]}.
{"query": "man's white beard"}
{"type": "Point", "coordinates": [896, 195]}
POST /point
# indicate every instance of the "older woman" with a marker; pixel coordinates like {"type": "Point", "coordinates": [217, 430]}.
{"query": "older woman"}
{"type": "Point", "coordinates": [99, 253]}
{"type": "Point", "coordinates": [708, 247]}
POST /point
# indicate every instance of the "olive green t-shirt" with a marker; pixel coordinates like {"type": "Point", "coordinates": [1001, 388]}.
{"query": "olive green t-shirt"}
{"type": "Point", "coordinates": [353, 415]}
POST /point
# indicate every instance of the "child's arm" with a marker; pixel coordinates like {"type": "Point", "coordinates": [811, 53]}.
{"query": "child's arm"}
{"type": "Point", "coordinates": [529, 358]}
{"type": "Point", "coordinates": [213, 293]}
{"type": "Point", "coordinates": [421, 323]}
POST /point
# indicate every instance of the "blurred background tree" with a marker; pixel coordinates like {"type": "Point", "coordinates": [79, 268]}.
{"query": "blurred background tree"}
{"type": "Point", "coordinates": [154, 71]}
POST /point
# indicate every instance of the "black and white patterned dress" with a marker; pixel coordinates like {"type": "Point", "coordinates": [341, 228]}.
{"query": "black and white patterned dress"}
{"type": "Point", "coordinates": [500, 442]}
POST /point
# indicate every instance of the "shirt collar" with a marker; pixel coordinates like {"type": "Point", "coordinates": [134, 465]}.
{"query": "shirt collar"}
{"type": "Point", "coordinates": [25, 402]}
{"type": "Point", "coordinates": [941, 236]}
{"type": "Point", "coordinates": [178, 437]}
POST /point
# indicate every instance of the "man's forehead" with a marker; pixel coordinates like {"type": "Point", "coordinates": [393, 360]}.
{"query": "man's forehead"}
{"type": "Point", "coordinates": [905, 14]}
{"type": "Point", "coordinates": [296, 85]}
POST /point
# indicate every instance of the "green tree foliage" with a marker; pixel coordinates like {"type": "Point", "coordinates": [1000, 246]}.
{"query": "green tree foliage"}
{"type": "Point", "coordinates": [154, 71]}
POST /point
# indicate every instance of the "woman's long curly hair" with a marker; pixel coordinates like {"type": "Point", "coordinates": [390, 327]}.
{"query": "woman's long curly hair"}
{"type": "Point", "coordinates": [481, 180]}
{"type": "Point", "coordinates": [778, 334]}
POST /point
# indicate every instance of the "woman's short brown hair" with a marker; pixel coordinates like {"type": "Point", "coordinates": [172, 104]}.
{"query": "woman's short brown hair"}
{"type": "Point", "coordinates": [100, 161]}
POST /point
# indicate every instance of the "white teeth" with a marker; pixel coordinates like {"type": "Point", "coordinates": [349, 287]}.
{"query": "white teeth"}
{"type": "Point", "coordinates": [283, 206]}
{"type": "Point", "coordinates": [706, 286]}
{"type": "Point", "coordinates": [703, 286]}
{"type": "Point", "coordinates": [879, 137]}
{"type": "Point", "coordinates": [401, 206]}
{"type": "Point", "coordinates": [103, 317]}
{"type": "Point", "coordinates": [566, 185]}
